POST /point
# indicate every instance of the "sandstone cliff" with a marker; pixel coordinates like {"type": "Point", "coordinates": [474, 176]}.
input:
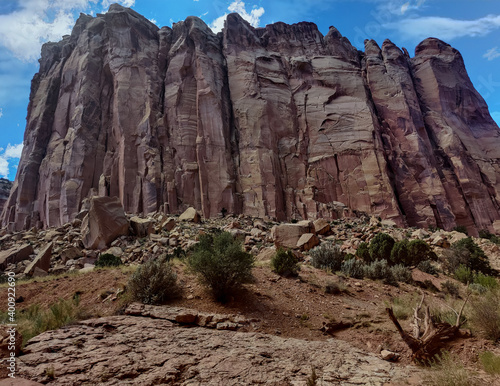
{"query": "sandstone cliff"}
{"type": "Point", "coordinates": [5, 186]}
{"type": "Point", "coordinates": [278, 121]}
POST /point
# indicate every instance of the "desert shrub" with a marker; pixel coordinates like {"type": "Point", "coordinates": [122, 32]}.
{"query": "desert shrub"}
{"type": "Point", "coordinates": [401, 273]}
{"type": "Point", "coordinates": [486, 234]}
{"type": "Point", "coordinates": [486, 281]}
{"type": "Point", "coordinates": [221, 264]}
{"type": "Point", "coordinates": [154, 282]}
{"type": "Point", "coordinates": [108, 260]}
{"type": "Point", "coordinates": [485, 314]}
{"type": "Point", "coordinates": [381, 247]}
{"type": "Point", "coordinates": [411, 253]}
{"type": "Point", "coordinates": [335, 288]}
{"type": "Point", "coordinates": [354, 268]}
{"type": "Point", "coordinates": [464, 275]}
{"type": "Point", "coordinates": [461, 229]}
{"type": "Point", "coordinates": [448, 371]}
{"type": "Point", "coordinates": [34, 320]}
{"type": "Point", "coordinates": [427, 267]}
{"type": "Point", "coordinates": [490, 362]}
{"type": "Point", "coordinates": [450, 288]}
{"type": "Point", "coordinates": [363, 252]}
{"type": "Point", "coordinates": [468, 253]}
{"type": "Point", "coordinates": [478, 288]}
{"type": "Point", "coordinates": [379, 270]}
{"type": "Point", "coordinates": [328, 257]}
{"type": "Point", "coordinates": [285, 263]}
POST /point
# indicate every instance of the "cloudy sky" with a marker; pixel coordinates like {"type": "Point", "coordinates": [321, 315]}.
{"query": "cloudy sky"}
{"type": "Point", "coordinates": [471, 26]}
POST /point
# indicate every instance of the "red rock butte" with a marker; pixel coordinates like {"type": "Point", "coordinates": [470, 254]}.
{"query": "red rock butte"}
{"type": "Point", "coordinates": [278, 121]}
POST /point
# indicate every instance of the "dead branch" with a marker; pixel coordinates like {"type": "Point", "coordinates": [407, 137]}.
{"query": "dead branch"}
{"type": "Point", "coordinates": [426, 345]}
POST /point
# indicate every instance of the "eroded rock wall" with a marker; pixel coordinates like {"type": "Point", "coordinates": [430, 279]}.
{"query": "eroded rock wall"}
{"type": "Point", "coordinates": [278, 121]}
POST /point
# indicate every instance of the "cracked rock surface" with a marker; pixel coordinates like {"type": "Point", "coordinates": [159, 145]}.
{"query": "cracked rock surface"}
{"type": "Point", "coordinates": [123, 350]}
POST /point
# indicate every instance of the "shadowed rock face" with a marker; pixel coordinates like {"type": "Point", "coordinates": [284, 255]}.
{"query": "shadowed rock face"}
{"type": "Point", "coordinates": [278, 121]}
{"type": "Point", "coordinates": [5, 186]}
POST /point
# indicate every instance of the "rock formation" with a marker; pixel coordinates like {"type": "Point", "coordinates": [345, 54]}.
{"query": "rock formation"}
{"type": "Point", "coordinates": [5, 186]}
{"type": "Point", "coordinates": [278, 121]}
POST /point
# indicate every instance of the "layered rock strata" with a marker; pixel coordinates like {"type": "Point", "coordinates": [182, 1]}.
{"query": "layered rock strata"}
{"type": "Point", "coordinates": [278, 121]}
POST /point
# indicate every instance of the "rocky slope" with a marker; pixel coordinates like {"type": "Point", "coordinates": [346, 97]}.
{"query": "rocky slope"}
{"type": "Point", "coordinates": [278, 121]}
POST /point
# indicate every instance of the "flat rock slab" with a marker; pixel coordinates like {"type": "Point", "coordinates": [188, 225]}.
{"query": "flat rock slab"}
{"type": "Point", "coordinates": [134, 350]}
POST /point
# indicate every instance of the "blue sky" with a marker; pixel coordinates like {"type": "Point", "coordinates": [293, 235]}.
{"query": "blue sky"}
{"type": "Point", "coordinates": [473, 27]}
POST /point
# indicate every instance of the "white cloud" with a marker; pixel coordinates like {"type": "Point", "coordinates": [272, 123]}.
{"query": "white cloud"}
{"type": "Point", "coordinates": [444, 28]}
{"type": "Point", "coordinates": [492, 53]}
{"type": "Point", "coordinates": [1, 114]}
{"type": "Point", "coordinates": [24, 30]}
{"type": "Point", "coordinates": [153, 20]}
{"type": "Point", "coordinates": [239, 6]}
{"type": "Point", "coordinates": [12, 151]}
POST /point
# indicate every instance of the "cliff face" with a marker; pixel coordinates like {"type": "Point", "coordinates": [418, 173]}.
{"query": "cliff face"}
{"type": "Point", "coordinates": [5, 186]}
{"type": "Point", "coordinates": [278, 121]}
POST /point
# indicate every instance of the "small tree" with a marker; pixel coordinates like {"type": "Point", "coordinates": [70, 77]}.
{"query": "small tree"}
{"type": "Point", "coordinates": [381, 247]}
{"type": "Point", "coordinates": [221, 264]}
{"type": "Point", "coordinates": [327, 256]}
{"type": "Point", "coordinates": [363, 252]}
{"type": "Point", "coordinates": [108, 260]}
{"type": "Point", "coordinates": [285, 263]}
{"type": "Point", "coordinates": [469, 254]}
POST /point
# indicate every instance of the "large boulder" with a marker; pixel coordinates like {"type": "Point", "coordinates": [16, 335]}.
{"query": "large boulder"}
{"type": "Point", "coordinates": [141, 227]}
{"type": "Point", "coordinates": [322, 227]}
{"type": "Point", "coordinates": [105, 222]}
{"type": "Point", "coordinates": [42, 260]}
{"type": "Point", "coordinates": [15, 255]}
{"type": "Point", "coordinates": [287, 235]}
{"type": "Point", "coordinates": [190, 215]}
{"type": "Point", "coordinates": [307, 241]}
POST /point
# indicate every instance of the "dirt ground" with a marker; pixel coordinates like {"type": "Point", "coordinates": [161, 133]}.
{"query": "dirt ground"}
{"type": "Point", "coordinates": [295, 307]}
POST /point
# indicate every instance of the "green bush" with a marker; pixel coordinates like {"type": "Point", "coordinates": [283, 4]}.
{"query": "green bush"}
{"type": "Point", "coordinates": [108, 260]}
{"type": "Point", "coordinates": [485, 234]}
{"type": "Point", "coordinates": [411, 253]}
{"type": "Point", "coordinates": [427, 267]}
{"type": "Point", "coordinates": [450, 288]}
{"type": "Point", "coordinates": [379, 270]}
{"type": "Point", "coordinates": [221, 264]}
{"type": "Point", "coordinates": [363, 252]}
{"type": "Point", "coordinates": [485, 315]}
{"type": "Point", "coordinates": [468, 253]}
{"type": "Point", "coordinates": [285, 263]}
{"type": "Point", "coordinates": [461, 229]}
{"type": "Point", "coordinates": [464, 275]}
{"type": "Point", "coordinates": [485, 280]}
{"type": "Point", "coordinates": [490, 362]}
{"type": "Point", "coordinates": [401, 273]}
{"type": "Point", "coordinates": [354, 268]}
{"type": "Point", "coordinates": [328, 257]}
{"type": "Point", "coordinates": [154, 282]}
{"type": "Point", "coordinates": [381, 247]}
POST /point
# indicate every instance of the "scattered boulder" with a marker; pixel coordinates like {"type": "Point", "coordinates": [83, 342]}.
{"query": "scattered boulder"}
{"type": "Point", "coordinates": [169, 224]}
{"type": "Point", "coordinates": [38, 272]}
{"type": "Point", "coordinates": [389, 356]}
{"type": "Point", "coordinates": [190, 215]}
{"type": "Point", "coordinates": [71, 253]}
{"type": "Point", "coordinates": [105, 222]}
{"type": "Point", "coordinates": [420, 234]}
{"type": "Point", "coordinates": [42, 260]}
{"type": "Point", "coordinates": [141, 227]}
{"type": "Point", "coordinates": [307, 241]}
{"type": "Point", "coordinates": [287, 235]}
{"type": "Point", "coordinates": [322, 227]}
{"type": "Point", "coordinates": [15, 254]}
